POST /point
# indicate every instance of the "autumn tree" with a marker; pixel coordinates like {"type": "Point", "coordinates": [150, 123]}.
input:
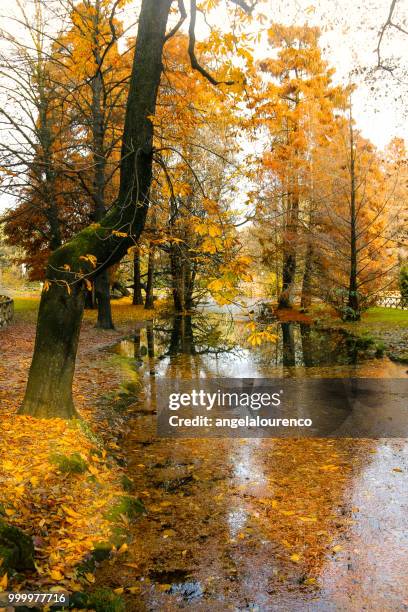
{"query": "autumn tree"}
{"type": "Point", "coordinates": [97, 247]}
{"type": "Point", "coordinates": [95, 78]}
{"type": "Point", "coordinates": [197, 153]}
{"type": "Point", "coordinates": [296, 96]}
{"type": "Point", "coordinates": [34, 139]}
{"type": "Point", "coordinates": [358, 222]}
{"type": "Point", "coordinates": [90, 76]}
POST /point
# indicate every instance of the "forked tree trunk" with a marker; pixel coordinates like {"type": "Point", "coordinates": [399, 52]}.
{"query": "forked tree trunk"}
{"type": "Point", "coordinates": [49, 388]}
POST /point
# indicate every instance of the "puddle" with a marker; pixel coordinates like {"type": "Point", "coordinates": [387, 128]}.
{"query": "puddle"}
{"type": "Point", "coordinates": [177, 582]}
{"type": "Point", "coordinates": [260, 524]}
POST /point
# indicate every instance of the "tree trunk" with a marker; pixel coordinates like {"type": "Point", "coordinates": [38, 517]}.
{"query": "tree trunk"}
{"type": "Point", "coordinates": [183, 278]}
{"type": "Point", "coordinates": [289, 255]}
{"type": "Point", "coordinates": [49, 388]}
{"type": "Point", "coordinates": [306, 299]}
{"type": "Point", "coordinates": [149, 302]}
{"type": "Point", "coordinates": [176, 278]}
{"type": "Point", "coordinates": [189, 279]}
{"type": "Point", "coordinates": [102, 284]}
{"type": "Point", "coordinates": [137, 283]}
{"type": "Point", "coordinates": [102, 295]}
{"type": "Point", "coordinates": [288, 345]}
{"type": "Point", "coordinates": [353, 305]}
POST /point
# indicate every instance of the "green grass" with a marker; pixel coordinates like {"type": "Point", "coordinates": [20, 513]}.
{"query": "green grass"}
{"type": "Point", "coordinates": [378, 314]}
{"type": "Point", "coordinates": [26, 308]}
{"type": "Point", "coordinates": [23, 304]}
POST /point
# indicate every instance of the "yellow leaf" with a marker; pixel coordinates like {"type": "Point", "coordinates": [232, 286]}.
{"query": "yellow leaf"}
{"type": "Point", "coordinates": [3, 582]}
{"type": "Point", "coordinates": [122, 549]}
{"type": "Point", "coordinates": [310, 581]}
{"type": "Point", "coordinates": [70, 512]}
{"type": "Point", "coordinates": [91, 258]}
{"type": "Point", "coordinates": [119, 590]}
{"type": "Point", "coordinates": [308, 519]}
{"type": "Point", "coordinates": [165, 587]}
{"type": "Point", "coordinates": [337, 548]}
{"type": "Point", "coordinates": [56, 575]}
{"type": "Point", "coordinates": [90, 577]}
{"type": "Point", "coordinates": [295, 558]}
{"type": "Point", "coordinates": [19, 490]}
{"type": "Point", "coordinates": [133, 589]}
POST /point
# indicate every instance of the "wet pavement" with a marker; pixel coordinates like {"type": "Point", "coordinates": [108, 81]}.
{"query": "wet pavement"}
{"type": "Point", "coordinates": [259, 524]}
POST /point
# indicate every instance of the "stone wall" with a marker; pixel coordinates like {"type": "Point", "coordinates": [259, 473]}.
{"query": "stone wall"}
{"type": "Point", "coordinates": [6, 310]}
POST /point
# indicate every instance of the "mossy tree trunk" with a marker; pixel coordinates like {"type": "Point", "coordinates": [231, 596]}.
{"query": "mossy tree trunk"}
{"type": "Point", "coordinates": [49, 388]}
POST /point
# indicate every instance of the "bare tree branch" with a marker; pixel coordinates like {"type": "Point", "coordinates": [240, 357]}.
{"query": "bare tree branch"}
{"type": "Point", "coordinates": [183, 16]}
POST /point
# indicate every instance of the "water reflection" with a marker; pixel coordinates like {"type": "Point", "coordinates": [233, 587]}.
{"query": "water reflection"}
{"type": "Point", "coordinates": [273, 524]}
{"type": "Point", "coordinates": [214, 345]}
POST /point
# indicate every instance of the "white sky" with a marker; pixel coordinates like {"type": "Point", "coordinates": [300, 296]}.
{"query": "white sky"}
{"type": "Point", "coordinates": [349, 38]}
{"type": "Point", "coordinates": [350, 30]}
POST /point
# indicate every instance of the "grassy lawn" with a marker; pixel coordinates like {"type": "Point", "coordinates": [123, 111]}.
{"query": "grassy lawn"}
{"type": "Point", "coordinates": [24, 304]}
{"type": "Point", "coordinates": [379, 314]}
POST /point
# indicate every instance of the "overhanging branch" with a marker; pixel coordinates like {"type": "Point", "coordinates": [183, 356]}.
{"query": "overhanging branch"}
{"type": "Point", "coordinates": [191, 48]}
{"type": "Point", "coordinates": [183, 16]}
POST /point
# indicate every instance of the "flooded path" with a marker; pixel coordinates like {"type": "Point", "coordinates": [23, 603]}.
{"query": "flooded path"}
{"type": "Point", "coordinates": [259, 524]}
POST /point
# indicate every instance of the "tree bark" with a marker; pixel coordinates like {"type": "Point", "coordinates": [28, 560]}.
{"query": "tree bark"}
{"type": "Point", "coordinates": [288, 345]}
{"type": "Point", "coordinates": [102, 281]}
{"type": "Point", "coordinates": [176, 278]}
{"type": "Point", "coordinates": [289, 254]}
{"type": "Point", "coordinates": [306, 298]}
{"type": "Point", "coordinates": [102, 295]}
{"type": "Point", "coordinates": [49, 388]}
{"type": "Point", "coordinates": [353, 305]}
{"type": "Point", "coordinates": [137, 283]}
{"type": "Point", "coordinates": [149, 301]}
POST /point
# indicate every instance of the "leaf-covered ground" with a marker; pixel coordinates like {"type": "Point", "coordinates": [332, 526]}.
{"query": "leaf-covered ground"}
{"type": "Point", "coordinates": [59, 480]}
{"type": "Point", "coordinates": [226, 524]}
